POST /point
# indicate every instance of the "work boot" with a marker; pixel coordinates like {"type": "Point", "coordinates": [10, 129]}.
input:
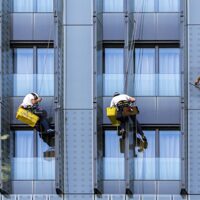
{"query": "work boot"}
{"type": "Point", "coordinates": [145, 142]}
{"type": "Point", "coordinates": [50, 131]}
{"type": "Point", "coordinates": [123, 133]}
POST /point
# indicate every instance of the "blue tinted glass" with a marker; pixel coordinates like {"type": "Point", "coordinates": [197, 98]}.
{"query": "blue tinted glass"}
{"type": "Point", "coordinates": [169, 72]}
{"type": "Point", "coordinates": [169, 5]}
{"type": "Point", "coordinates": [23, 71]}
{"type": "Point", "coordinates": [23, 161]}
{"type": "Point", "coordinates": [145, 162]}
{"type": "Point", "coordinates": [169, 155]}
{"type": "Point", "coordinates": [23, 5]}
{"type": "Point", "coordinates": [113, 5]}
{"type": "Point", "coordinates": [145, 78]}
{"type": "Point", "coordinates": [44, 5]}
{"type": "Point", "coordinates": [45, 71]}
{"type": "Point", "coordinates": [144, 6]}
{"type": "Point", "coordinates": [113, 159]}
{"type": "Point", "coordinates": [114, 71]}
{"type": "Point", "coordinates": [45, 165]}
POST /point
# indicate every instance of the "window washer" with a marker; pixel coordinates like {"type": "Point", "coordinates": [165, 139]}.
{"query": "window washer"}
{"type": "Point", "coordinates": [31, 102]}
{"type": "Point", "coordinates": [121, 101]}
{"type": "Point", "coordinates": [197, 81]}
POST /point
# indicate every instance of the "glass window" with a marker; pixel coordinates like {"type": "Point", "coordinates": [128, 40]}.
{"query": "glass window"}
{"type": "Point", "coordinates": [169, 72]}
{"type": "Point", "coordinates": [44, 5]}
{"type": "Point", "coordinates": [23, 155]}
{"type": "Point", "coordinates": [113, 159]}
{"type": "Point", "coordinates": [145, 72]}
{"type": "Point", "coordinates": [23, 71]}
{"type": "Point", "coordinates": [113, 5]}
{"type": "Point", "coordinates": [23, 5]}
{"type": "Point", "coordinates": [144, 5]}
{"type": "Point", "coordinates": [32, 6]}
{"type": "Point", "coordinates": [29, 161]}
{"type": "Point", "coordinates": [30, 76]}
{"type": "Point", "coordinates": [145, 163]}
{"type": "Point", "coordinates": [45, 72]}
{"type": "Point", "coordinates": [169, 5]}
{"type": "Point", "coordinates": [114, 71]}
{"type": "Point", "coordinates": [169, 155]}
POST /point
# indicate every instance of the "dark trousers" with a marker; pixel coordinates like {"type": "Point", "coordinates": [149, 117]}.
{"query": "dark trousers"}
{"type": "Point", "coordinates": [42, 114]}
{"type": "Point", "coordinates": [137, 125]}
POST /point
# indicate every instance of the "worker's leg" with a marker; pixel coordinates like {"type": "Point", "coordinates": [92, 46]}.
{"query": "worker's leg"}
{"type": "Point", "coordinates": [43, 120]}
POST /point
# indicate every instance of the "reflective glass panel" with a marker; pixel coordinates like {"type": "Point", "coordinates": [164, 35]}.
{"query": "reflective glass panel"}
{"type": "Point", "coordinates": [145, 78]}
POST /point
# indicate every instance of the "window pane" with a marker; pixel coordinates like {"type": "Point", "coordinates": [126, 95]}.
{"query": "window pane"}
{"type": "Point", "coordinates": [23, 71]}
{"type": "Point", "coordinates": [23, 5]}
{"type": "Point", "coordinates": [45, 165]}
{"type": "Point", "coordinates": [44, 5]}
{"type": "Point", "coordinates": [145, 72]}
{"type": "Point", "coordinates": [113, 5]}
{"type": "Point", "coordinates": [169, 5]}
{"type": "Point", "coordinates": [169, 155]}
{"type": "Point", "coordinates": [113, 159]}
{"type": "Point", "coordinates": [144, 6]}
{"type": "Point", "coordinates": [23, 161]}
{"type": "Point", "coordinates": [113, 77]}
{"type": "Point", "coordinates": [169, 72]}
{"type": "Point", "coordinates": [145, 162]}
{"type": "Point", "coordinates": [45, 72]}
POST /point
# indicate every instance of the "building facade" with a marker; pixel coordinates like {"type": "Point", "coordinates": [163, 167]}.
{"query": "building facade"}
{"type": "Point", "coordinates": [76, 54]}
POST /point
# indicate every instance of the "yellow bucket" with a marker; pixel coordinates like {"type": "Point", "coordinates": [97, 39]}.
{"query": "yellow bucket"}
{"type": "Point", "coordinates": [111, 114]}
{"type": "Point", "coordinates": [26, 117]}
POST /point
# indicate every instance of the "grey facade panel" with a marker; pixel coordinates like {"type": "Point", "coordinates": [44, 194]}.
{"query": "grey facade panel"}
{"type": "Point", "coordinates": [148, 110]}
{"type": "Point", "coordinates": [22, 26]}
{"type": "Point", "coordinates": [78, 12]}
{"type": "Point", "coordinates": [78, 152]}
{"type": "Point", "coordinates": [22, 187]}
{"type": "Point", "coordinates": [193, 12]}
{"type": "Point", "coordinates": [114, 187]}
{"type": "Point", "coordinates": [145, 187]}
{"type": "Point", "coordinates": [168, 26]}
{"type": "Point", "coordinates": [193, 151]}
{"type": "Point", "coordinates": [145, 26]}
{"type": "Point", "coordinates": [169, 187]}
{"type": "Point", "coordinates": [44, 187]}
{"type": "Point", "coordinates": [168, 110]}
{"type": "Point", "coordinates": [79, 70]}
{"type": "Point", "coordinates": [113, 26]}
{"type": "Point", "coordinates": [153, 110]}
{"type": "Point", "coordinates": [47, 104]}
{"type": "Point", "coordinates": [43, 26]}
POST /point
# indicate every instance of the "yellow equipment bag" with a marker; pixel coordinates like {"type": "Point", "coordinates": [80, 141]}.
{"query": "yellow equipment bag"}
{"type": "Point", "coordinates": [111, 114]}
{"type": "Point", "coordinates": [27, 117]}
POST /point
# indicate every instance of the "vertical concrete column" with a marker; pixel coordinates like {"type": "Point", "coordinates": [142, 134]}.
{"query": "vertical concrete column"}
{"type": "Point", "coordinates": [78, 98]}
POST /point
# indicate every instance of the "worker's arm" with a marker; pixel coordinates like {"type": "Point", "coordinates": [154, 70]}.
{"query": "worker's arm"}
{"type": "Point", "coordinates": [197, 80]}
{"type": "Point", "coordinates": [35, 101]}
{"type": "Point", "coordinates": [131, 99]}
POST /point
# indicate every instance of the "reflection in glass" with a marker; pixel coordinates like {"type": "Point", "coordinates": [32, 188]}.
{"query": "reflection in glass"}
{"type": "Point", "coordinates": [145, 163]}
{"type": "Point", "coordinates": [113, 159]}
{"type": "Point", "coordinates": [113, 5]}
{"type": "Point", "coordinates": [28, 161]}
{"type": "Point", "coordinates": [169, 155]}
{"type": "Point", "coordinates": [145, 72]}
{"type": "Point", "coordinates": [169, 72]}
{"type": "Point", "coordinates": [169, 5]}
{"type": "Point", "coordinates": [144, 6]}
{"type": "Point", "coordinates": [23, 5]}
{"type": "Point", "coordinates": [44, 5]}
{"type": "Point", "coordinates": [45, 71]}
{"type": "Point", "coordinates": [113, 77]}
{"type": "Point", "coordinates": [23, 155]}
{"type": "Point", "coordinates": [23, 67]}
